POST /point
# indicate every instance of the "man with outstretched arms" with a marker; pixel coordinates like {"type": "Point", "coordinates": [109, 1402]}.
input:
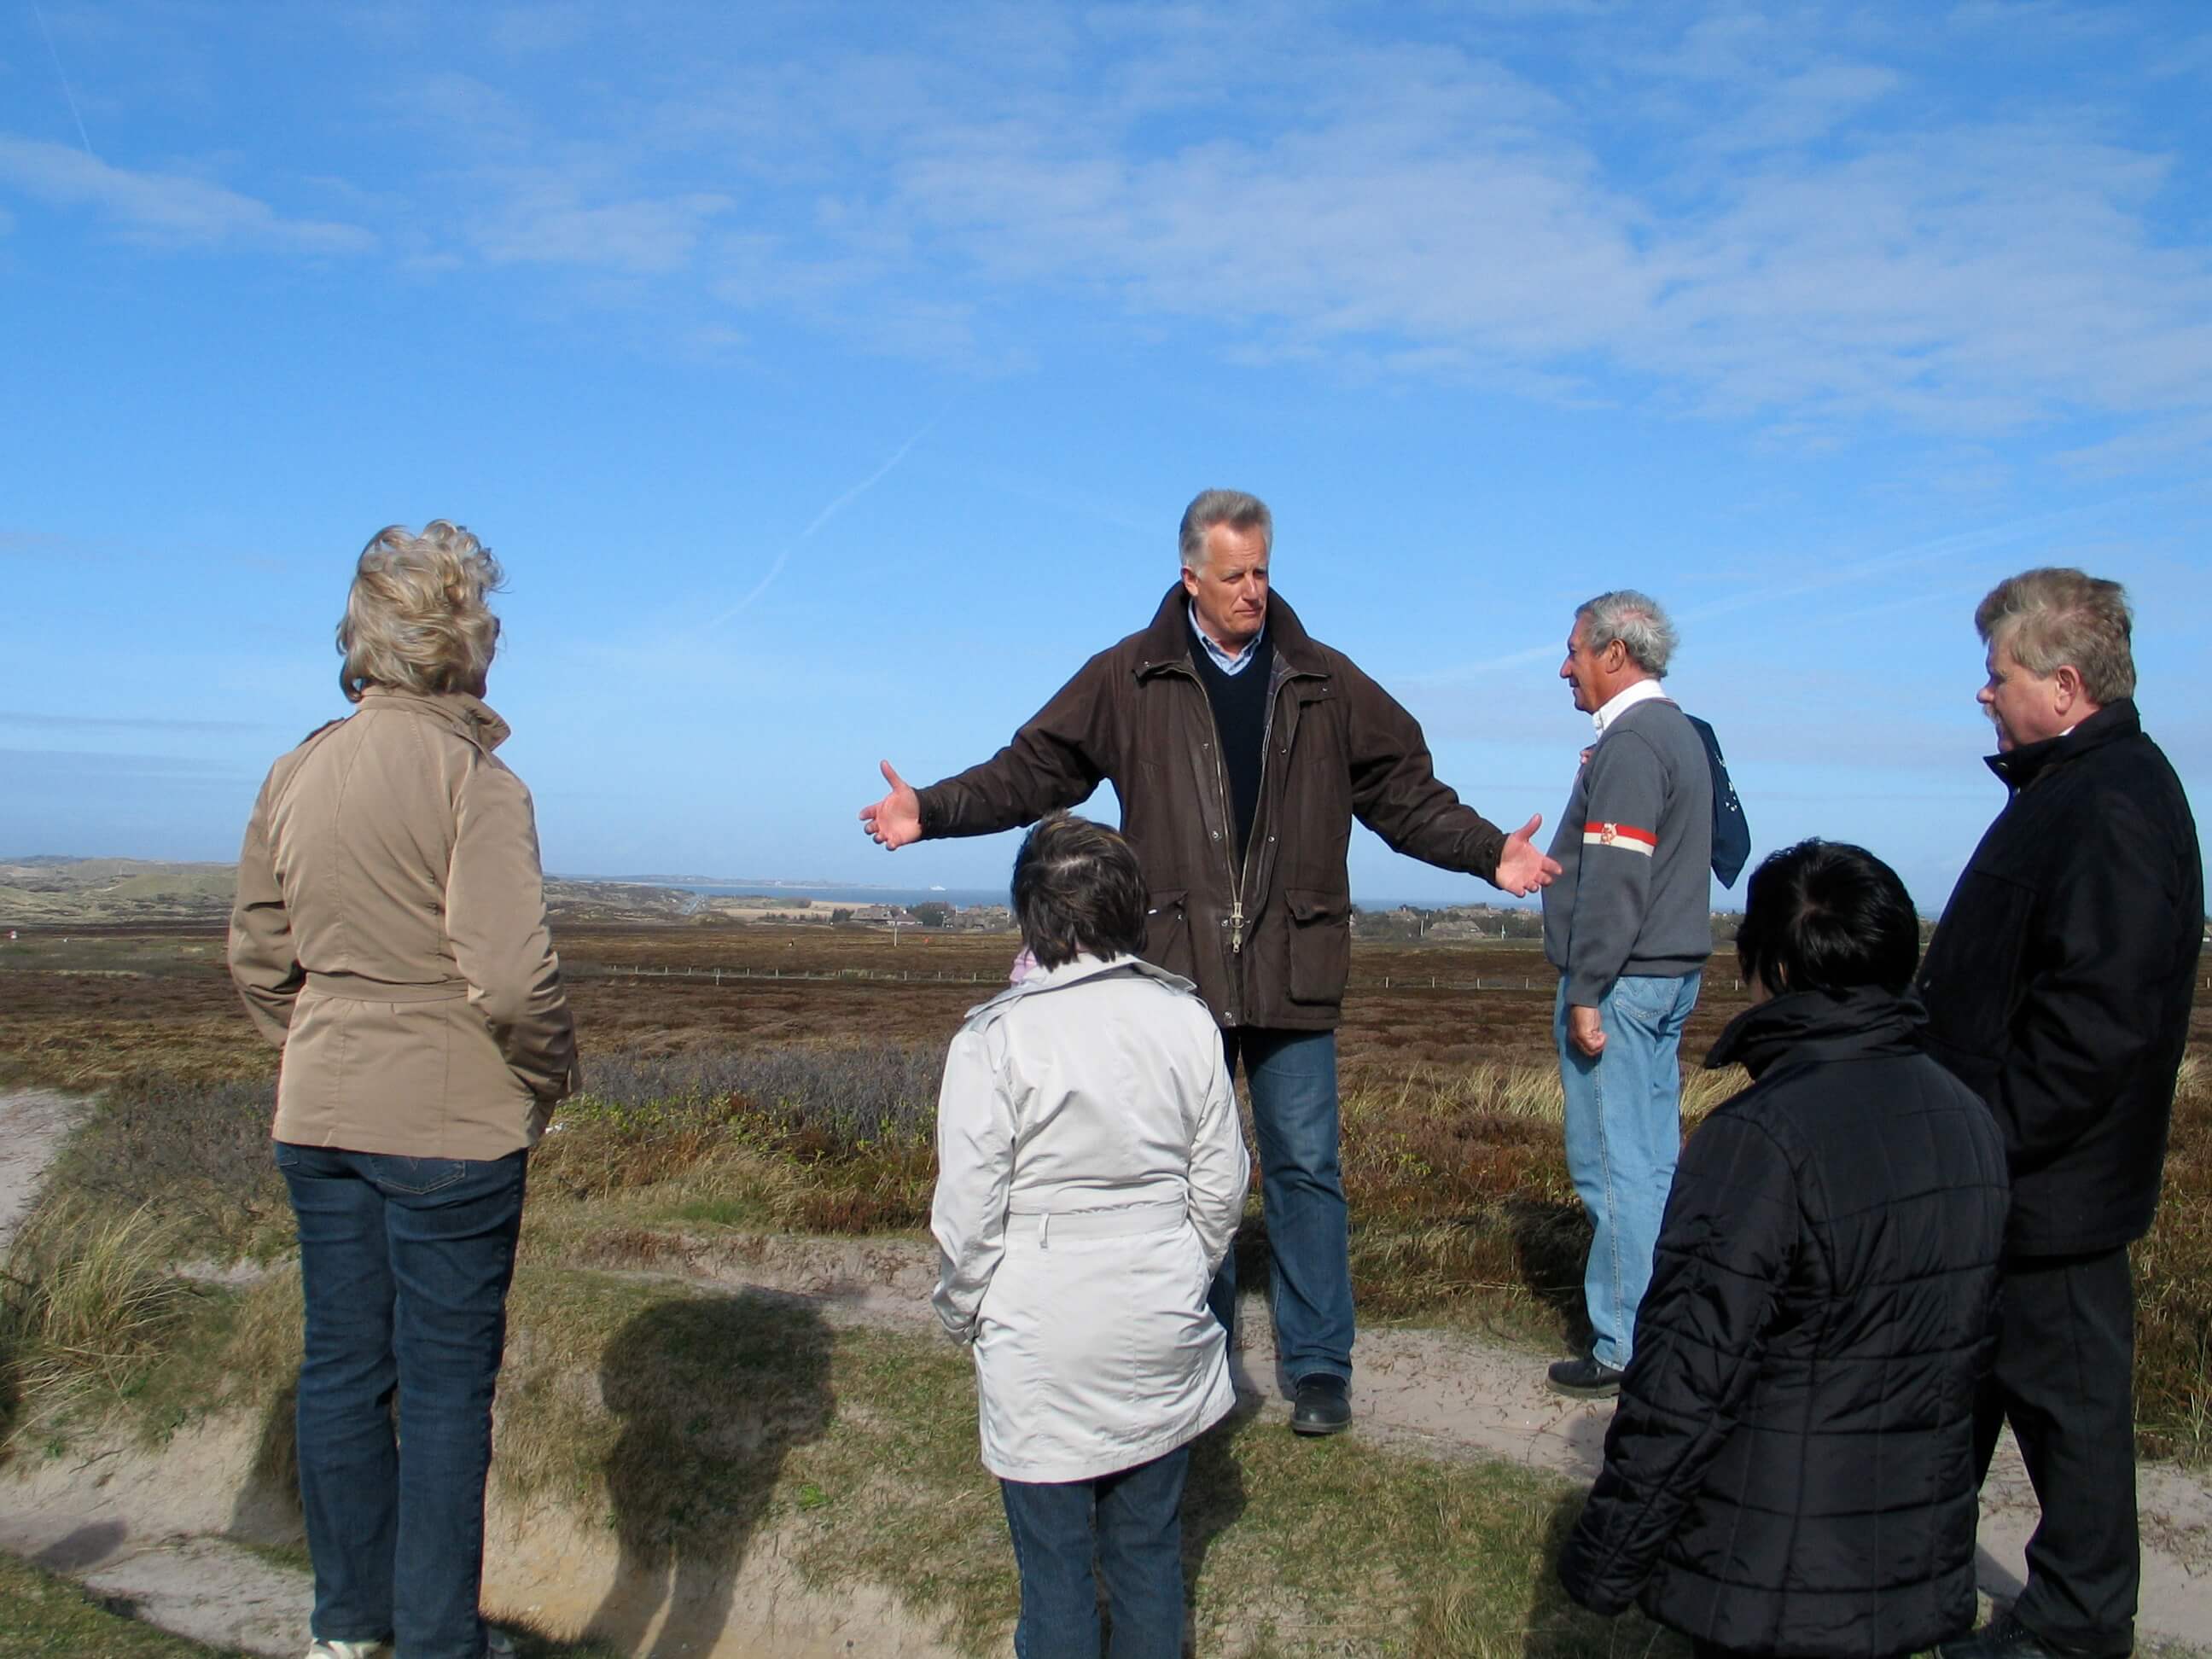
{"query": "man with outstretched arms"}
{"type": "Point", "coordinates": [1628, 925]}
{"type": "Point", "coordinates": [1242, 748]}
{"type": "Point", "coordinates": [2059, 987]}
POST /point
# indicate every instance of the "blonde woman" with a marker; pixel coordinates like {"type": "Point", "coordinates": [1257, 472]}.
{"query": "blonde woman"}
{"type": "Point", "coordinates": [390, 936]}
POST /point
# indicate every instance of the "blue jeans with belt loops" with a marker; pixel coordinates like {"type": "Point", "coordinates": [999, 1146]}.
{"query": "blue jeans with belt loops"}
{"type": "Point", "coordinates": [405, 1265]}
{"type": "Point", "coordinates": [1624, 1134]}
{"type": "Point", "coordinates": [1131, 1522]}
{"type": "Point", "coordinates": [1292, 1077]}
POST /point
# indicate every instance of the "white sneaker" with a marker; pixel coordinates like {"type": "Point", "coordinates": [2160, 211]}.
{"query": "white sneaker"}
{"type": "Point", "coordinates": [498, 1644]}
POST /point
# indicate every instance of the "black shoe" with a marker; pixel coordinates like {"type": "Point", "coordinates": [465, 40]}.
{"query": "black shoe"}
{"type": "Point", "coordinates": [1323, 1406]}
{"type": "Point", "coordinates": [1586, 1378]}
{"type": "Point", "coordinates": [2008, 1638]}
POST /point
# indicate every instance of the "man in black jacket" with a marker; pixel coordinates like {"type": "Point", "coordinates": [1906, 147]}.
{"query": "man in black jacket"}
{"type": "Point", "coordinates": [1791, 1468]}
{"type": "Point", "coordinates": [2059, 986]}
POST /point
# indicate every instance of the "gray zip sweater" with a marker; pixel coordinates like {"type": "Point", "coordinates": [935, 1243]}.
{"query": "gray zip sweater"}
{"type": "Point", "coordinates": [1635, 850]}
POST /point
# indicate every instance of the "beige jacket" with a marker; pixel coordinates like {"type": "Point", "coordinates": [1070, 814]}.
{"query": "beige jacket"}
{"type": "Point", "coordinates": [389, 934]}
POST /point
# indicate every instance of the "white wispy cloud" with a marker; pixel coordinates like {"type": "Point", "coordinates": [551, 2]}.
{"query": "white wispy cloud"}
{"type": "Point", "coordinates": [1799, 215]}
{"type": "Point", "coordinates": [165, 208]}
{"type": "Point", "coordinates": [1793, 579]}
{"type": "Point", "coordinates": [639, 237]}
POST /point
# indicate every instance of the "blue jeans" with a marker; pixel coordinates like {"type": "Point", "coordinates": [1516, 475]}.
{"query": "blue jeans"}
{"type": "Point", "coordinates": [1624, 1134]}
{"type": "Point", "coordinates": [1132, 1520]}
{"type": "Point", "coordinates": [404, 1264]}
{"type": "Point", "coordinates": [1292, 1077]}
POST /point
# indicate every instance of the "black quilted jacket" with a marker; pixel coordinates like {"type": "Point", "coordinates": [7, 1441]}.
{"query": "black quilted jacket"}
{"type": "Point", "coordinates": [1791, 1467]}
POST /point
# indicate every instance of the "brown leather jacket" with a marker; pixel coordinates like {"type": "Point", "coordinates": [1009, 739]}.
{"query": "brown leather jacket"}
{"type": "Point", "coordinates": [390, 934]}
{"type": "Point", "coordinates": [1268, 945]}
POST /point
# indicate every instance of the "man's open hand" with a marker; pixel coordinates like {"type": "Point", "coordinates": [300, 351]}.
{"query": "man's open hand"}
{"type": "Point", "coordinates": [897, 818]}
{"type": "Point", "coordinates": [1521, 869]}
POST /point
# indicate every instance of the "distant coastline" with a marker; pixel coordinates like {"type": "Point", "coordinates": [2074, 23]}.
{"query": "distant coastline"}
{"type": "Point", "coordinates": [964, 898]}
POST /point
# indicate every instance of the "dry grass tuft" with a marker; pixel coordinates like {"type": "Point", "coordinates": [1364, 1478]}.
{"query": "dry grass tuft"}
{"type": "Point", "coordinates": [1460, 1205]}
{"type": "Point", "coordinates": [88, 1299]}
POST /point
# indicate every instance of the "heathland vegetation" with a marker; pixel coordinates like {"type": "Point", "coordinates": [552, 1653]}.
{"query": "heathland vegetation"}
{"type": "Point", "coordinates": [735, 1125]}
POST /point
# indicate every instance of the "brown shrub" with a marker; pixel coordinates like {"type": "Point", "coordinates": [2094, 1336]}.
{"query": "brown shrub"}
{"type": "Point", "coordinates": [198, 1152]}
{"type": "Point", "coordinates": [2173, 1280]}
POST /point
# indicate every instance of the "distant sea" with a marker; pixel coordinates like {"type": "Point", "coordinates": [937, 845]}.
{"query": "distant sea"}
{"type": "Point", "coordinates": [963, 898]}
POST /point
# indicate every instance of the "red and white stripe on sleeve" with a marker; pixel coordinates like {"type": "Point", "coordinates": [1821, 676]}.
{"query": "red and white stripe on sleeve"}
{"type": "Point", "coordinates": [1625, 836]}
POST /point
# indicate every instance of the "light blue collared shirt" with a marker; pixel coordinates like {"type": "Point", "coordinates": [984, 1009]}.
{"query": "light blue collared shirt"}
{"type": "Point", "coordinates": [1225, 661]}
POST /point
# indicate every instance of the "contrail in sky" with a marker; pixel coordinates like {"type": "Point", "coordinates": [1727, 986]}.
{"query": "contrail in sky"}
{"type": "Point", "coordinates": [820, 518]}
{"type": "Point", "coordinates": [62, 75]}
{"type": "Point", "coordinates": [1903, 558]}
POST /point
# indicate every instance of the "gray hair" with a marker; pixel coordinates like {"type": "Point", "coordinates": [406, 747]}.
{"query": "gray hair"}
{"type": "Point", "coordinates": [2055, 617]}
{"type": "Point", "coordinates": [1231, 507]}
{"type": "Point", "coordinates": [416, 618]}
{"type": "Point", "coordinates": [1635, 620]}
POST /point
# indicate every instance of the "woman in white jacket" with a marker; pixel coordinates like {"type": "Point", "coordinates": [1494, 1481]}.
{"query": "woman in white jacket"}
{"type": "Point", "coordinates": [1090, 1174]}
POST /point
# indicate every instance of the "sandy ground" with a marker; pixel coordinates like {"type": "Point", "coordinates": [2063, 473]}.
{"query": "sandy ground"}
{"type": "Point", "coordinates": [33, 1124]}
{"type": "Point", "coordinates": [156, 1531]}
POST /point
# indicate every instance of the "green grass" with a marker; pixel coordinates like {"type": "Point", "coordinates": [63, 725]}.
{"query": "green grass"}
{"type": "Point", "coordinates": [691, 1425]}
{"type": "Point", "coordinates": [46, 1616]}
{"type": "Point", "coordinates": [42, 1615]}
{"type": "Point", "coordinates": [1462, 1215]}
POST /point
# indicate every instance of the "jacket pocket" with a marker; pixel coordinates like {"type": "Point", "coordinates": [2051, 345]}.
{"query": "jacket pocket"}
{"type": "Point", "coordinates": [1321, 944]}
{"type": "Point", "coordinates": [1167, 931]}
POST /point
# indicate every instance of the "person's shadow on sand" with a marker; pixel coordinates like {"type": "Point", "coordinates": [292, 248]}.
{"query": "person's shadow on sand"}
{"type": "Point", "coordinates": [711, 1392]}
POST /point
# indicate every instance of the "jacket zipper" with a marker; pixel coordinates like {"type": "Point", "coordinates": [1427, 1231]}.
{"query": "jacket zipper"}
{"type": "Point", "coordinates": [1228, 814]}
{"type": "Point", "coordinates": [1239, 873]}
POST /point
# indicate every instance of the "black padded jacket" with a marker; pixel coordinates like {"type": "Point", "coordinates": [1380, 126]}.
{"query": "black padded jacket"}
{"type": "Point", "coordinates": [1791, 1467]}
{"type": "Point", "coordinates": [2059, 982]}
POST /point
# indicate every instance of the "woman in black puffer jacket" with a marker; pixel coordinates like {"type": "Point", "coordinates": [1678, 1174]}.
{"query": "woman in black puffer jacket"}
{"type": "Point", "coordinates": [1791, 1467]}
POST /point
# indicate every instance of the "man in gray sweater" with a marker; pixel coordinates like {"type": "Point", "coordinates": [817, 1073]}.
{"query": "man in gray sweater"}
{"type": "Point", "coordinates": [1628, 925]}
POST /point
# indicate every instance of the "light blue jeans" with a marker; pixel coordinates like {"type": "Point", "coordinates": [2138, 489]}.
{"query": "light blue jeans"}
{"type": "Point", "coordinates": [1624, 1134]}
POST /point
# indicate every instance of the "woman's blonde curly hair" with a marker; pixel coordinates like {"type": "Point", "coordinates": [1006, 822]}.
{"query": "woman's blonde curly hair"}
{"type": "Point", "coordinates": [415, 619]}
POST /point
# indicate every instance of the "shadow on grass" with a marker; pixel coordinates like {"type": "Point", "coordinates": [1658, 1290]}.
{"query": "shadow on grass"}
{"type": "Point", "coordinates": [1550, 1243]}
{"type": "Point", "coordinates": [712, 1393]}
{"type": "Point", "coordinates": [1557, 1629]}
{"type": "Point", "coordinates": [1212, 1501]}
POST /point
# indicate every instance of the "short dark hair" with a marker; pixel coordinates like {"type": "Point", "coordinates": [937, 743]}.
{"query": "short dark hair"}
{"type": "Point", "coordinates": [1078, 890]}
{"type": "Point", "coordinates": [1824, 915]}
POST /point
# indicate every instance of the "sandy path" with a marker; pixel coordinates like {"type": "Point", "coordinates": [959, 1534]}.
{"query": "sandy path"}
{"type": "Point", "coordinates": [129, 1532]}
{"type": "Point", "coordinates": [1445, 1394]}
{"type": "Point", "coordinates": [32, 1123]}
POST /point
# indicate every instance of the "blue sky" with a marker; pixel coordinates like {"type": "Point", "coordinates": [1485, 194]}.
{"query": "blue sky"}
{"type": "Point", "coordinates": [831, 379]}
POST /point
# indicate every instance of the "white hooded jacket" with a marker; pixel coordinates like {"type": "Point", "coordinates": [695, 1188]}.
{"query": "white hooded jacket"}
{"type": "Point", "coordinates": [1090, 1174]}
